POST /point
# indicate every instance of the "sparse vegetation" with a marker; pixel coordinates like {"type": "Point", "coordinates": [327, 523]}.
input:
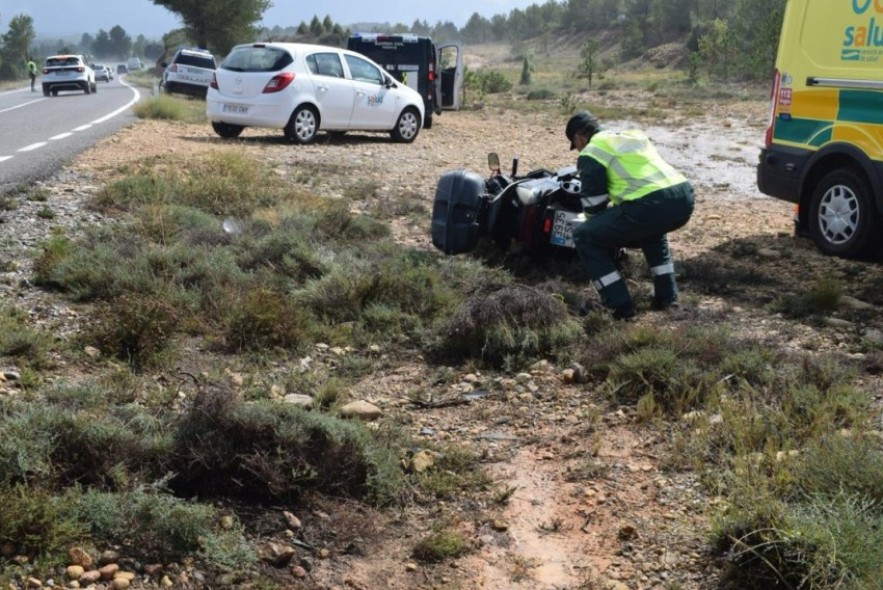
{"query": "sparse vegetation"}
{"type": "Point", "coordinates": [200, 332]}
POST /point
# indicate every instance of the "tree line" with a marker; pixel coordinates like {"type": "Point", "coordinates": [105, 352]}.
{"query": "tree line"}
{"type": "Point", "coordinates": [730, 39]}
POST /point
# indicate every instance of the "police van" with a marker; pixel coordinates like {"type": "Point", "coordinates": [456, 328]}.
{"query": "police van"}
{"type": "Point", "coordinates": [436, 72]}
{"type": "Point", "coordinates": [824, 144]}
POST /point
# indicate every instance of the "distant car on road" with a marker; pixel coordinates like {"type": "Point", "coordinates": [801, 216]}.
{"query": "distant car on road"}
{"type": "Point", "coordinates": [122, 69]}
{"type": "Point", "coordinates": [102, 72]}
{"type": "Point", "coordinates": [189, 71]}
{"type": "Point", "coordinates": [303, 89]}
{"type": "Point", "coordinates": [67, 72]}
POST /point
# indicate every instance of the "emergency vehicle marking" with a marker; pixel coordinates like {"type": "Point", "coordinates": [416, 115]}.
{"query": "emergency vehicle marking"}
{"type": "Point", "coordinates": [861, 40]}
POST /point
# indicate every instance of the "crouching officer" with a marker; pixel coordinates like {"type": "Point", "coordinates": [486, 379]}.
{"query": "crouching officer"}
{"type": "Point", "coordinates": [647, 197]}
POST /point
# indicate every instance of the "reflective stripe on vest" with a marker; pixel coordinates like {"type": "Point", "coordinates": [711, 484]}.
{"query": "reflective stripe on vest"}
{"type": "Point", "coordinates": [634, 168]}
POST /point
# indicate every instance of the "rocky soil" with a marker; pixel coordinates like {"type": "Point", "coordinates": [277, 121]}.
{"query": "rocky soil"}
{"type": "Point", "coordinates": [594, 502]}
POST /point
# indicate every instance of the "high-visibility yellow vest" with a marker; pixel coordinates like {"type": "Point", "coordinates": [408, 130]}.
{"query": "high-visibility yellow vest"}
{"type": "Point", "coordinates": [634, 168]}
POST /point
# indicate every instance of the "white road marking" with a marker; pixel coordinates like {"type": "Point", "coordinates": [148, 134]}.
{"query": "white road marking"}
{"type": "Point", "coordinates": [24, 104]}
{"type": "Point", "coordinates": [32, 147]}
{"type": "Point", "coordinates": [135, 98]}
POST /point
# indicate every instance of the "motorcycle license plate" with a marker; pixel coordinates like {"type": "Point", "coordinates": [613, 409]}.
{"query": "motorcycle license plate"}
{"type": "Point", "coordinates": [562, 228]}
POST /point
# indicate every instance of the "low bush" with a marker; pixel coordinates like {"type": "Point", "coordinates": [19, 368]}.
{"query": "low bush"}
{"type": "Point", "coordinates": [439, 546]}
{"type": "Point", "coordinates": [151, 524]}
{"type": "Point", "coordinates": [507, 326]}
{"type": "Point", "coordinates": [164, 107]}
{"type": "Point", "coordinates": [265, 451]}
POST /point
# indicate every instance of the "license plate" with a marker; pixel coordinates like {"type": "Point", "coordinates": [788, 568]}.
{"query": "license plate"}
{"type": "Point", "coordinates": [235, 108]}
{"type": "Point", "coordinates": [563, 226]}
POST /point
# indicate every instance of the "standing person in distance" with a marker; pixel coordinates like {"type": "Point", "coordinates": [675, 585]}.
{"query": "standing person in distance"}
{"type": "Point", "coordinates": [32, 72]}
{"type": "Point", "coordinates": [630, 196]}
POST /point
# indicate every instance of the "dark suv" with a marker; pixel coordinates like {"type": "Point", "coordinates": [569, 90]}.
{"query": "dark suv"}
{"type": "Point", "coordinates": [189, 71]}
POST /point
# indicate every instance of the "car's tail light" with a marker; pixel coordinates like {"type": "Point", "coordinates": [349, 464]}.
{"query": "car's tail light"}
{"type": "Point", "coordinates": [279, 82]}
{"type": "Point", "coordinates": [45, 71]}
{"type": "Point", "coordinates": [431, 73]}
{"type": "Point", "coordinates": [81, 69]}
{"type": "Point", "coordinates": [774, 103]}
{"type": "Point", "coordinates": [214, 82]}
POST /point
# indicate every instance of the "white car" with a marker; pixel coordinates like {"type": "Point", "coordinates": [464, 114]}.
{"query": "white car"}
{"type": "Point", "coordinates": [67, 72]}
{"type": "Point", "coordinates": [189, 72]}
{"type": "Point", "coordinates": [102, 72]}
{"type": "Point", "coordinates": [303, 89]}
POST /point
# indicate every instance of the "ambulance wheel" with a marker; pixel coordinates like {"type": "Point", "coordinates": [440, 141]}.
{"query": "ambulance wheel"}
{"type": "Point", "coordinates": [843, 220]}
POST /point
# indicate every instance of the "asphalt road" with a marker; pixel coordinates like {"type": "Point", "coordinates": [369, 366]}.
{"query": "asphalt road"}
{"type": "Point", "coordinates": [39, 134]}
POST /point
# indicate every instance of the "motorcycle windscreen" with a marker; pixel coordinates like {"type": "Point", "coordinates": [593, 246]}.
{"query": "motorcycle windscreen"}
{"type": "Point", "coordinates": [455, 211]}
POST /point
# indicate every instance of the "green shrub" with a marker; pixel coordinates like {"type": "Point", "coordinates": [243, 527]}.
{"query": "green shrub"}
{"type": "Point", "coordinates": [167, 108]}
{"type": "Point", "coordinates": [265, 451]}
{"type": "Point", "coordinates": [19, 340]}
{"type": "Point", "coordinates": [37, 523]}
{"type": "Point", "coordinates": [137, 329]}
{"type": "Point", "coordinates": [151, 524]}
{"type": "Point", "coordinates": [259, 316]}
{"type": "Point", "coordinates": [54, 446]}
{"type": "Point", "coordinates": [508, 325]}
{"type": "Point", "coordinates": [822, 542]}
{"type": "Point", "coordinates": [541, 94]}
{"type": "Point", "coordinates": [821, 298]}
{"type": "Point", "coordinates": [439, 546]}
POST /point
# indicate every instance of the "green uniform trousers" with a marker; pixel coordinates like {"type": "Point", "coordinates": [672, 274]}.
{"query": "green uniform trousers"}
{"type": "Point", "coordinates": [640, 223]}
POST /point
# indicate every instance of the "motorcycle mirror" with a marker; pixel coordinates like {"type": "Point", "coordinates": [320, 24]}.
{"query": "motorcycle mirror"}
{"type": "Point", "coordinates": [493, 162]}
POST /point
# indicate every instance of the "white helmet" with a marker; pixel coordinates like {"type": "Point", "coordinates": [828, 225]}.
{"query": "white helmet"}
{"type": "Point", "coordinates": [573, 186]}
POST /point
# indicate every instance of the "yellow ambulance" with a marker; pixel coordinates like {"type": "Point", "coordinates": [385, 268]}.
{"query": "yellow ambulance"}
{"type": "Point", "coordinates": [824, 144]}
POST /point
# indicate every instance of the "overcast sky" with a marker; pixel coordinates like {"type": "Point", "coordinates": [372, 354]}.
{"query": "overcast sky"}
{"type": "Point", "coordinates": [56, 18]}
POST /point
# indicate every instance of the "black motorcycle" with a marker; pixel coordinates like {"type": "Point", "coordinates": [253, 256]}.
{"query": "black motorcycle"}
{"type": "Point", "coordinates": [537, 211]}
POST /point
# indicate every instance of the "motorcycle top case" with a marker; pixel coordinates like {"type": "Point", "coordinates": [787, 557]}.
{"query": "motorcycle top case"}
{"type": "Point", "coordinates": [459, 197]}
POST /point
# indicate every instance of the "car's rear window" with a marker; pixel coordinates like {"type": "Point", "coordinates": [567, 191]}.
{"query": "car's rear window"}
{"type": "Point", "coordinates": [257, 59]}
{"type": "Point", "coordinates": [53, 62]}
{"type": "Point", "coordinates": [198, 61]}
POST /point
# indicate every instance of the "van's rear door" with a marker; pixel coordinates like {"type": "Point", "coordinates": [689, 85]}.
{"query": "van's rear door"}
{"type": "Point", "coordinates": [450, 65]}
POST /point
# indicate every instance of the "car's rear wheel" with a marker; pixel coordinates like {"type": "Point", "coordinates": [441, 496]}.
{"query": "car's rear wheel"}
{"type": "Point", "coordinates": [226, 130]}
{"type": "Point", "coordinates": [94, 87]}
{"type": "Point", "coordinates": [842, 217]}
{"type": "Point", "coordinates": [407, 127]}
{"type": "Point", "coordinates": [45, 91]}
{"type": "Point", "coordinates": [87, 88]}
{"type": "Point", "coordinates": [303, 125]}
